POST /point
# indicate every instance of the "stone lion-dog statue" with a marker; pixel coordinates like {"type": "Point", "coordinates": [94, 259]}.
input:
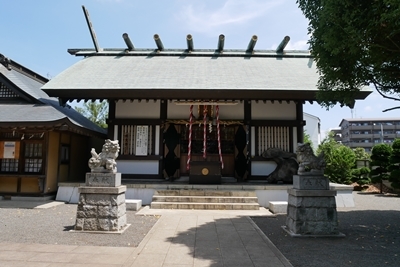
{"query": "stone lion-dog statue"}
{"type": "Point", "coordinates": [309, 164]}
{"type": "Point", "coordinates": [105, 161]}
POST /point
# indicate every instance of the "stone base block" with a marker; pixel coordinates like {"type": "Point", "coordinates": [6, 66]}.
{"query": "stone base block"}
{"type": "Point", "coordinates": [101, 212]}
{"type": "Point", "coordinates": [103, 179]}
{"type": "Point", "coordinates": [133, 204]}
{"type": "Point", "coordinates": [310, 182]}
{"type": "Point", "coordinates": [277, 207]}
{"type": "Point", "coordinates": [312, 215]}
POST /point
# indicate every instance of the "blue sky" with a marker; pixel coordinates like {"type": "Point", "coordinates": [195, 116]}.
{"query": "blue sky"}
{"type": "Point", "coordinates": [38, 33]}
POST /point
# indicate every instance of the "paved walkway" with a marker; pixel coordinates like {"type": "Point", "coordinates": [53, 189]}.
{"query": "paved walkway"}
{"type": "Point", "coordinates": [179, 238]}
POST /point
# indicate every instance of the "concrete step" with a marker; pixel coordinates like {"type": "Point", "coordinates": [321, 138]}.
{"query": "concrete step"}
{"type": "Point", "coordinates": [205, 199]}
{"type": "Point", "coordinates": [204, 206]}
{"type": "Point", "coordinates": [200, 192]}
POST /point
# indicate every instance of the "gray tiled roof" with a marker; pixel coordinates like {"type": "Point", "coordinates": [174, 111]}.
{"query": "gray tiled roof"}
{"type": "Point", "coordinates": [191, 72]}
{"type": "Point", "coordinates": [49, 111]}
{"type": "Point", "coordinates": [167, 74]}
{"type": "Point", "coordinates": [27, 84]}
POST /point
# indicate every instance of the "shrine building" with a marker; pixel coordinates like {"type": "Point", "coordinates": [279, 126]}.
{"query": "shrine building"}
{"type": "Point", "coordinates": [176, 110]}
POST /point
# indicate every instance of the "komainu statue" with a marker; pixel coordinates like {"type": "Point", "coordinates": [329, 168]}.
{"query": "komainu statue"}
{"type": "Point", "coordinates": [105, 161]}
{"type": "Point", "coordinates": [309, 164]}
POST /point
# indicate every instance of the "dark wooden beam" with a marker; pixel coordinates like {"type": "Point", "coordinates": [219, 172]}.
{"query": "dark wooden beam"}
{"type": "Point", "coordinates": [252, 44]}
{"type": "Point", "coordinates": [91, 29]}
{"type": "Point", "coordinates": [283, 44]}
{"type": "Point", "coordinates": [128, 42]}
{"type": "Point", "coordinates": [189, 41]}
{"type": "Point", "coordinates": [299, 117]}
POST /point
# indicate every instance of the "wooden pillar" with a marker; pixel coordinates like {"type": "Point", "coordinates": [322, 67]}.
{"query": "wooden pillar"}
{"type": "Point", "coordinates": [299, 117]}
{"type": "Point", "coordinates": [247, 122]}
{"type": "Point", "coordinates": [110, 120]}
{"type": "Point", "coordinates": [163, 117]}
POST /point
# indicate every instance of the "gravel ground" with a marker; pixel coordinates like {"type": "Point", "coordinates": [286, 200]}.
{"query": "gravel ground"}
{"type": "Point", "coordinates": [52, 225]}
{"type": "Point", "coordinates": [372, 230]}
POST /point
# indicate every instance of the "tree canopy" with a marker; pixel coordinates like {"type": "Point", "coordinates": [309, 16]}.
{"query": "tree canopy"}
{"type": "Point", "coordinates": [394, 167]}
{"type": "Point", "coordinates": [355, 43]}
{"type": "Point", "coordinates": [95, 111]}
{"type": "Point", "coordinates": [340, 160]}
{"type": "Point", "coordinates": [380, 163]}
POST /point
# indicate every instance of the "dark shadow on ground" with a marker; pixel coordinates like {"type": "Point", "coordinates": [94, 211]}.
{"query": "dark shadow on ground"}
{"type": "Point", "coordinates": [226, 242]}
{"type": "Point", "coordinates": [372, 239]}
{"type": "Point", "coordinates": [69, 228]}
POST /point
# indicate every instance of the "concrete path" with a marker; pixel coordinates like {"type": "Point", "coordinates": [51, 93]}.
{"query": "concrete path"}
{"type": "Point", "coordinates": [179, 238]}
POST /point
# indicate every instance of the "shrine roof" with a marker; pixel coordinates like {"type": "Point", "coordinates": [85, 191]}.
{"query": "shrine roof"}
{"type": "Point", "coordinates": [31, 107]}
{"type": "Point", "coordinates": [183, 74]}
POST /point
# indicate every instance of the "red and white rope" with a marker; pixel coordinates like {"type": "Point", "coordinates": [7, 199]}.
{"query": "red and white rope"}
{"type": "Point", "coordinates": [190, 138]}
{"type": "Point", "coordinates": [219, 138]}
{"type": "Point", "coordinates": [205, 131]}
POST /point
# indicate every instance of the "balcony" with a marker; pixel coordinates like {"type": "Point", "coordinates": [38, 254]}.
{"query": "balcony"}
{"type": "Point", "coordinates": [360, 128]}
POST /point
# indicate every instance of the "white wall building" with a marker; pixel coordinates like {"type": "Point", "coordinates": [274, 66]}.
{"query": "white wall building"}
{"type": "Point", "coordinates": [313, 128]}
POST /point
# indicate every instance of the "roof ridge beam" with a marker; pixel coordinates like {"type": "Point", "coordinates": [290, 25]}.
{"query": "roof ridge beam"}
{"type": "Point", "coordinates": [283, 44]}
{"type": "Point", "coordinates": [91, 29]}
{"type": "Point", "coordinates": [159, 44]}
{"type": "Point", "coordinates": [252, 44]}
{"type": "Point", "coordinates": [128, 42]}
{"type": "Point", "coordinates": [189, 41]}
{"type": "Point", "coordinates": [221, 42]}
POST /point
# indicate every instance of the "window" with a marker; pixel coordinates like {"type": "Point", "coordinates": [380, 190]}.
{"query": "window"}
{"type": "Point", "coordinates": [5, 92]}
{"type": "Point", "coordinates": [137, 140]}
{"type": "Point", "coordinates": [22, 153]}
{"type": "Point", "coordinates": [9, 165]}
{"type": "Point", "coordinates": [64, 157]}
{"type": "Point", "coordinates": [33, 157]}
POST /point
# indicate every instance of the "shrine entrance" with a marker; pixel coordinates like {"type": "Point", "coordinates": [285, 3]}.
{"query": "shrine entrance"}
{"type": "Point", "coordinates": [227, 135]}
{"type": "Point", "coordinates": [203, 140]}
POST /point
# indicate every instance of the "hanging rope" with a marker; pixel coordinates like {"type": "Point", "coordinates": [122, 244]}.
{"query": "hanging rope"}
{"type": "Point", "coordinates": [190, 138]}
{"type": "Point", "coordinates": [219, 138]}
{"type": "Point", "coordinates": [205, 131]}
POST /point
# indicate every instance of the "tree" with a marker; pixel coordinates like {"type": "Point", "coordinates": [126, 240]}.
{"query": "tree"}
{"type": "Point", "coordinates": [380, 163]}
{"type": "Point", "coordinates": [394, 167]}
{"type": "Point", "coordinates": [361, 154]}
{"type": "Point", "coordinates": [355, 43]}
{"type": "Point", "coordinates": [95, 111]}
{"type": "Point", "coordinates": [340, 160]}
{"type": "Point", "coordinates": [360, 174]}
{"type": "Point", "coordinates": [307, 140]}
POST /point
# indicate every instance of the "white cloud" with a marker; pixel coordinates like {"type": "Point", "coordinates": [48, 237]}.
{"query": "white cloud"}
{"type": "Point", "coordinates": [368, 109]}
{"type": "Point", "coordinates": [299, 45]}
{"type": "Point", "coordinates": [206, 19]}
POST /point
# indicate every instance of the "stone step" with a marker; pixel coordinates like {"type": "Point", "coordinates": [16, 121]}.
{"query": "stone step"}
{"type": "Point", "coordinates": [278, 207]}
{"type": "Point", "coordinates": [205, 206]}
{"type": "Point", "coordinates": [205, 199]}
{"type": "Point", "coordinates": [200, 192]}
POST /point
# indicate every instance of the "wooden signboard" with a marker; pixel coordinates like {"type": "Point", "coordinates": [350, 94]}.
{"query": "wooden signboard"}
{"type": "Point", "coordinates": [142, 133]}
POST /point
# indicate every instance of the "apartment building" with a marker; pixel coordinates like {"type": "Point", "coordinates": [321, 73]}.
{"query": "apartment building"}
{"type": "Point", "coordinates": [368, 132]}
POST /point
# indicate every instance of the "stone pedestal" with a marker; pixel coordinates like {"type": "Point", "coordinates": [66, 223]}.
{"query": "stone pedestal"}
{"type": "Point", "coordinates": [101, 206]}
{"type": "Point", "coordinates": [311, 207]}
